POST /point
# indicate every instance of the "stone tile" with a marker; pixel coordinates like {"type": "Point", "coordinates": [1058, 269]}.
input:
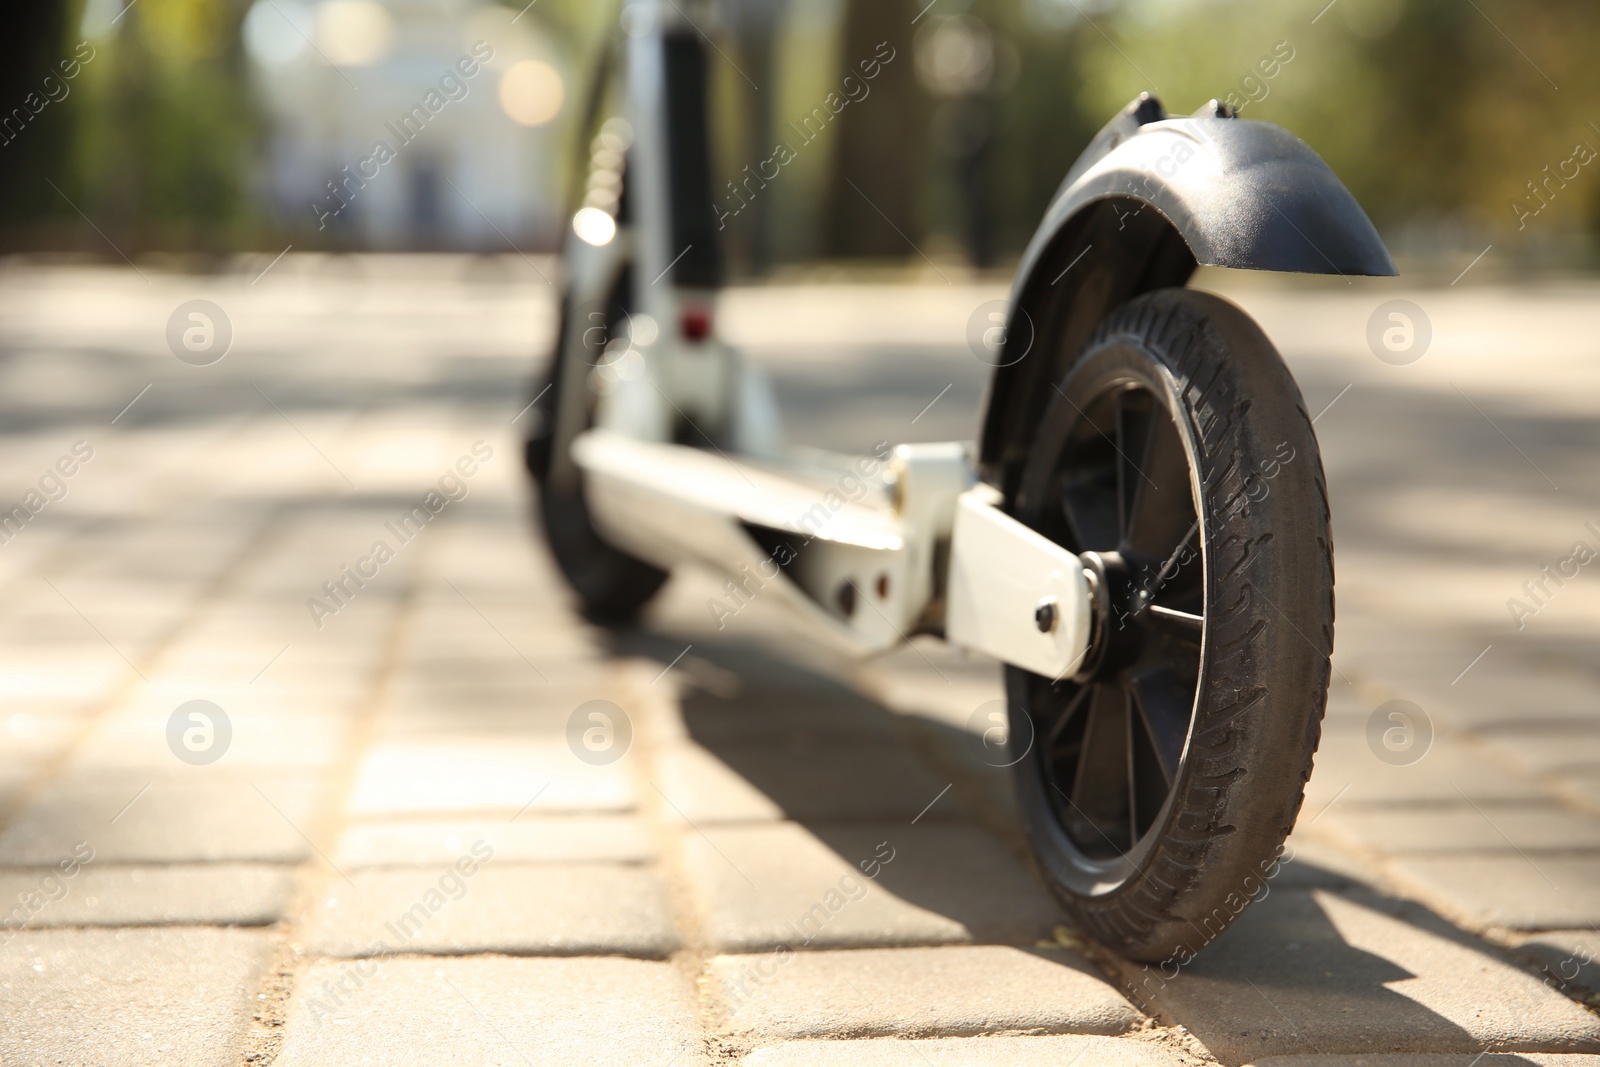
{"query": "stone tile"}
{"type": "Point", "coordinates": [530, 839]}
{"type": "Point", "coordinates": [208, 820]}
{"type": "Point", "coordinates": [698, 787]}
{"type": "Point", "coordinates": [965, 1052]}
{"type": "Point", "coordinates": [1533, 893]}
{"type": "Point", "coordinates": [1512, 698]}
{"type": "Point", "coordinates": [908, 992]}
{"type": "Point", "coordinates": [1311, 861]}
{"type": "Point", "coordinates": [1358, 973]}
{"type": "Point", "coordinates": [1464, 828]}
{"type": "Point", "coordinates": [775, 703]}
{"type": "Point", "coordinates": [761, 886]}
{"type": "Point", "coordinates": [1543, 751]}
{"type": "Point", "coordinates": [38, 729]}
{"type": "Point", "coordinates": [1582, 789]}
{"type": "Point", "coordinates": [513, 689]}
{"type": "Point", "coordinates": [740, 783]}
{"type": "Point", "coordinates": [136, 740]}
{"type": "Point", "coordinates": [446, 721]}
{"type": "Point", "coordinates": [982, 777]}
{"type": "Point", "coordinates": [147, 996]}
{"type": "Point", "coordinates": [400, 778]}
{"type": "Point", "coordinates": [556, 910]}
{"type": "Point", "coordinates": [435, 672]}
{"type": "Point", "coordinates": [1347, 771]}
{"type": "Point", "coordinates": [1569, 956]}
{"type": "Point", "coordinates": [1422, 1059]}
{"type": "Point", "coordinates": [220, 894]}
{"type": "Point", "coordinates": [476, 1012]}
{"type": "Point", "coordinates": [467, 638]}
{"type": "Point", "coordinates": [932, 682]}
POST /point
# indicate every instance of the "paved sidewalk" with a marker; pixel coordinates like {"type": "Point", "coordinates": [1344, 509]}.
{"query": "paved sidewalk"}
{"type": "Point", "coordinates": [452, 824]}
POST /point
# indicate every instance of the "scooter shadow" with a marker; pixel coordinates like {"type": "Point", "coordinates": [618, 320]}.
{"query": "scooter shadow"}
{"type": "Point", "coordinates": [1309, 968]}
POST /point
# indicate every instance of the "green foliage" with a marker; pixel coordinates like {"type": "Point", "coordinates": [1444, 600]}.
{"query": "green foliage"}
{"type": "Point", "coordinates": [1441, 114]}
{"type": "Point", "coordinates": [166, 137]}
{"type": "Point", "coordinates": [1432, 111]}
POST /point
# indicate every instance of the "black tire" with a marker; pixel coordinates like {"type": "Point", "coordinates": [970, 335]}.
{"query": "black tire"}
{"type": "Point", "coordinates": [612, 586]}
{"type": "Point", "coordinates": [1160, 780]}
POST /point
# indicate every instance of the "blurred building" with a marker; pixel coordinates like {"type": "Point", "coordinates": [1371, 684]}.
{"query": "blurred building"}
{"type": "Point", "coordinates": [410, 123]}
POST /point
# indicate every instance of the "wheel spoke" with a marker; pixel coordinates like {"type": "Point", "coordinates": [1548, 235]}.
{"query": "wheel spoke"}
{"type": "Point", "coordinates": [1088, 478]}
{"type": "Point", "coordinates": [1089, 503]}
{"type": "Point", "coordinates": [1133, 445]}
{"type": "Point", "coordinates": [1162, 509]}
{"type": "Point", "coordinates": [1064, 717]}
{"type": "Point", "coordinates": [1120, 484]}
{"type": "Point", "coordinates": [1148, 781]}
{"type": "Point", "coordinates": [1181, 627]}
{"type": "Point", "coordinates": [1099, 792]}
{"type": "Point", "coordinates": [1179, 581]}
{"type": "Point", "coordinates": [1164, 702]}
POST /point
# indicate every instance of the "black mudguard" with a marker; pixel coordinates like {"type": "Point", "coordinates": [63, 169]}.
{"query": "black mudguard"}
{"type": "Point", "coordinates": [1150, 199]}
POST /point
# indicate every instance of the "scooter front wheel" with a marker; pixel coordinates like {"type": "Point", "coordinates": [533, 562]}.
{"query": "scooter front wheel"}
{"type": "Point", "coordinates": [1160, 778]}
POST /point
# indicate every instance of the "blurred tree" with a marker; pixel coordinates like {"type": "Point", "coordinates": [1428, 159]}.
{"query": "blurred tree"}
{"type": "Point", "coordinates": [878, 162]}
{"type": "Point", "coordinates": [169, 139]}
{"type": "Point", "coordinates": [1038, 120]}
{"type": "Point", "coordinates": [33, 143]}
{"type": "Point", "coordinates": [1437, 114]}
{"type": "Point", "coordinates": [1454, 123]}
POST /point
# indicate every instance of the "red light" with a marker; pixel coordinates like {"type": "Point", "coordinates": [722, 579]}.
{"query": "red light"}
{"type": "Point", "coordinates": [696, 323]}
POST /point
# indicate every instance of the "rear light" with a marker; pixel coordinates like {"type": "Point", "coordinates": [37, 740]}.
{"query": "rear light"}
{"type": "Point", "coordinates": [696, 324]}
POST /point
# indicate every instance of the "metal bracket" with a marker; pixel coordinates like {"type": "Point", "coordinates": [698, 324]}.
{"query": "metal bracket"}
{"type": "Point", "coordinates": [1014, 594]}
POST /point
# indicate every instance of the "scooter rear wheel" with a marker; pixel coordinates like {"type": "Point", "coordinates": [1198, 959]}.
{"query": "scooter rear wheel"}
{"type": "Point", "coordinates": [611, 586]}
{"type": "Point", "coordinates": [1161, 777]}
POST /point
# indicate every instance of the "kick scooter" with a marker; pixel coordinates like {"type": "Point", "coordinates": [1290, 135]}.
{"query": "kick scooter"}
{"type": "Point", "coordinates": [1139, 534]}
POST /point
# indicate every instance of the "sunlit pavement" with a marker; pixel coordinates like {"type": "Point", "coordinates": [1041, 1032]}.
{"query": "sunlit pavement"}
{"type": "Point", "coordinates": [395, 833]}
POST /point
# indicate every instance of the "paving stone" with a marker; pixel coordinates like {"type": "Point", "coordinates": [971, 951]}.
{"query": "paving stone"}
{"type": "Point", "coordinates": [905, 992]}
{"type": "Point", "coordinates": [146, 996]}
{"type": "Point", "coordinates": [559, 910]}
{"type": "Point", "coordinates": [1542, 751]}
{"type": "Point", "coordinates": [467, 635]}
{"type": "Point", "coordinates": [935, 683]}
{"type": "Point", "coordinates": [760, 886]}
{"type": "Point", "coordinates": [1581, 789]}
{"type": "Point", "coordinates": [209, 820]}
{"type": "Point", "coordinates": [513, 689]}
{"type": "Point", "coordinates": [1358, 973]}
{"type": "Point", "coordinates": [814, 781]}
{"type": "Point", "coordinates": [443, 721]}
{"type": "Point", "coordinates": [1310, 862]}
{"type": "Point", "coordinates": [697, 787]}
{"type": "Point", "coordinates": [530, 839]}
{"type": "Point", "coordinates": [137, 739]}
{"type": "Point", "coordinates": [221, 894]}
{"type": "Point", "coordinates": [435, 675]}
{"type": "Point", "coordinates": [1527, 893]}
{"type": "Point", "coordinates": [1346, 771]}
{"type": "Point", "coordinates": [1465, 828]}
{"type": "Point", "coordinates": [478, 775]}
{"type": "Point", "coordinates": [960, 752]}
{"type": "Point", "coordinates": [1569, 956]}
{"type": "Point", "coordinates": [965, 1052]}
{"type": "Point", "coordinates": [47, 726]}
{"type": "Point", "coordinates": [1511, 699]}
{"type": "Point", "coordinates": [1411, 1059]}
{"type": "Point", "coordinates": [770, 701]}
{"type": "Point", "coordinates": [493, 1012]}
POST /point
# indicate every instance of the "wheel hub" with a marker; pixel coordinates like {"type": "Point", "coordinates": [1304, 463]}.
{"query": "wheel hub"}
{"type": "Point", "coordinates": [1115, 640]}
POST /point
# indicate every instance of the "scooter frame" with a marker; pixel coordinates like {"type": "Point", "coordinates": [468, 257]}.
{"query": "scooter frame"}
{"type": "Point", "coordinates": [682, 460]}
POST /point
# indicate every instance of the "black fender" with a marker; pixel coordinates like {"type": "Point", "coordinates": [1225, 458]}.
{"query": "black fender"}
{"type": "Point", "coordinates": [1149, 200]}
